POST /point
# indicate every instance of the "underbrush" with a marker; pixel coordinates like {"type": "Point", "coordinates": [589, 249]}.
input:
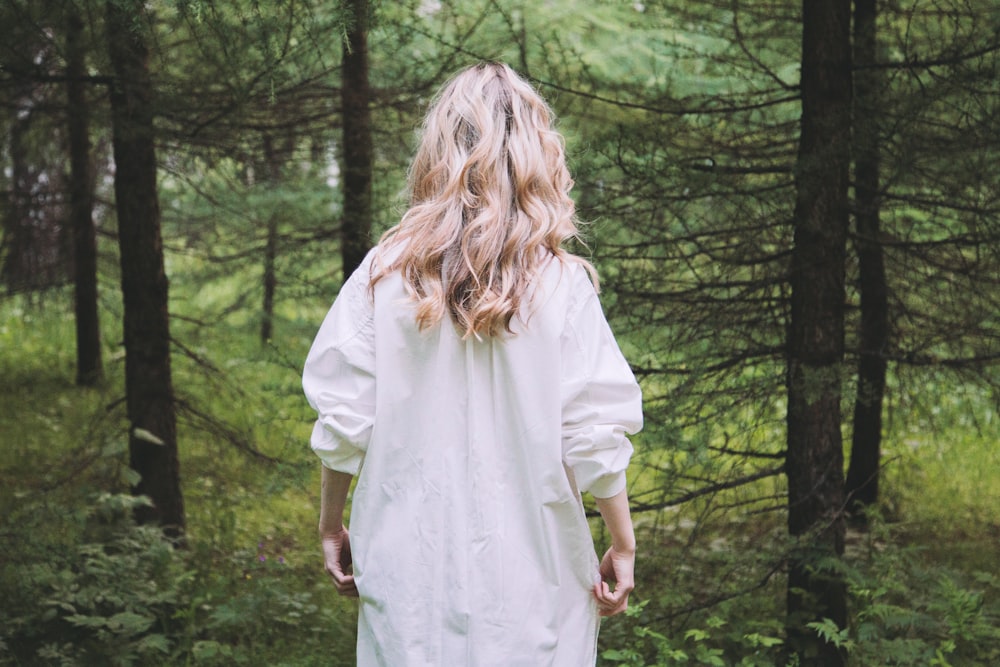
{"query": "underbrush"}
{"type": "Point", "coordinates": [81, 584]}
{"type": "Point", "coordinates": [92, 588]}
{"type": "Point", "coordinates": [726, 606]}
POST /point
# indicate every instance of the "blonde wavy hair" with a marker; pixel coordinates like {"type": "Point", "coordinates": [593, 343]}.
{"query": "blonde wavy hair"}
{"type": "Point", "coordinates": [489, 204]}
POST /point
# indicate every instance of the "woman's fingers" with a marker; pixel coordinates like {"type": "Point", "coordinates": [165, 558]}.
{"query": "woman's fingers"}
{"type": "Point", "coordinates": [343, 582]}
{"type": "Point", "coordinates": [611, 602]}
{"type": "Point", "coordinates": [337, 557]}
{"type": "Point", "coordinates": [615, 568]}
{"type": "Point", "coordinates": [346, 586]}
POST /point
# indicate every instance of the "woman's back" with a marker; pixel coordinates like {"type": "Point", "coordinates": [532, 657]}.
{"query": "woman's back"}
{"type": "Point", "coordinates": [466, 374]}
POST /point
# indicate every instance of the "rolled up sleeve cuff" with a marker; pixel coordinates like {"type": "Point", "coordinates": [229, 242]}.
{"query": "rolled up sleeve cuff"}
{"type": "Point", "coordinates": [608, 485]}
{"type": "Point", "coordinates": [335, 453]}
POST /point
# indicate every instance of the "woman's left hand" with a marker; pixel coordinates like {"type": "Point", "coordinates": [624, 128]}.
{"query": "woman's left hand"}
{"type": "Point", "coordinates": [617, 567]}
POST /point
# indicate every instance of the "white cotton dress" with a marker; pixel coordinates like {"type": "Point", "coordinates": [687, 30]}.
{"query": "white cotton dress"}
{"type": "Point", "coordinates": [470, 544]}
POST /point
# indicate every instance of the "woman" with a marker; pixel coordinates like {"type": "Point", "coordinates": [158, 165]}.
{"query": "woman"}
{"type": "Point", "coordinates": [466, 374]}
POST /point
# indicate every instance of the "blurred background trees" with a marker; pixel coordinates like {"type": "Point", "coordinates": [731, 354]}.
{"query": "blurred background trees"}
{"type": "Point", "coordinates": [794, 215]}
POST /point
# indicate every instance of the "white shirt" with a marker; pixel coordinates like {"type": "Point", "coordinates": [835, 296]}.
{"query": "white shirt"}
{"type": "Point", "coordinates": [468, 533]}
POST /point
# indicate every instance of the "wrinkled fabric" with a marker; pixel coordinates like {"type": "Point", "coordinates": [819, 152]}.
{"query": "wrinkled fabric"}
{"type": "Point", "coordinates": [470, 543]}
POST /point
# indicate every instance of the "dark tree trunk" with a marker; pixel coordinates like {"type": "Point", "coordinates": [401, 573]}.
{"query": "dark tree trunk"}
{"type": "Point", "coordinates": [35, 249]}
{"type": "Point", "coordinates": [36, 244]}
{"type": "Point", "coordinates": [815, 343]}
{"type": "Point", "coordinates": [270, 280]}
{"type": "Point", "coordinates": [272, 171]}
{"type": "Point", "coordinates": [863, 472]}
{"type": "Point", "coordinates": [81, 193]}
{"type": "Point", "coordinates": [357, 141]}
{"type": "Point", "coordinates": [148, 387]}
{"type": "Point", "coordinates": [18, 264]}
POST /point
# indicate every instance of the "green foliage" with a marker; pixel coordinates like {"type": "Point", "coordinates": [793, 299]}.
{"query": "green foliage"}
{"type": "Point", "coordinates": [94, 588]}
{"type": "Point", "coordinates": [105, 597]}
{"type": "Point", "coordinates": [708, 645]}
{"type": "Point", "coordinates": [908, 610]}
{"type": "Point", "coordinates": [944, 455]}
{"type": "Point", "coordinates": [905, 610]}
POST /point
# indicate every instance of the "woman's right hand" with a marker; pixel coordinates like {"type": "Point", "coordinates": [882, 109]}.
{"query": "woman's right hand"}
{"type": "Point", "coordinates": [337, 554]}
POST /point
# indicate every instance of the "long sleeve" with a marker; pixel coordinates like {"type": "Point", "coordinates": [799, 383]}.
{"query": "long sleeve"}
{"type": "Point", "coordinates": [601, 400]}
{"type": "Point", "coordinates": [339, 378]}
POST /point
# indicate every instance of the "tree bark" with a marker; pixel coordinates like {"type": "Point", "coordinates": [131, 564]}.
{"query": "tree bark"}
{"type": "Point", "coordinates": [36, 246]}
{"type": "Point", "coordinates": [148, 386]}
{"type": "Point", "coordinates": [815, 345]}
{"type": "Point", "coordinates": [272, 174]}
{"type": "Point", "coordinates": [270, 281]}
{"type": "Point", "coordinates": [357, 141]}
{"type": "Point", "coordinates": [863, 472]}
{"type": "Point", "coordinates": [89, 367]}
{"type": "Point", "coordinates": [18, 261]}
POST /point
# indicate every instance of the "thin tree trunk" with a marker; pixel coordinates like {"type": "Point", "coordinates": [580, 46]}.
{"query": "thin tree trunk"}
{"type": "Point", "coordinates": [270, 280]}
{"type": "Point", "coordinates": [89, 368]}
{"type": "Point", "coordinates": [272, 167]}
{"type": "Point", "coordinates": [815, 343]}
{"type": "Point", "coordinates": [357, 141]}
{"type": "Point", "coordinates": [18, 260]}
{"type": "Point", "coordinates": [863, 472]}
{"type": "Point", "coordinates": [148, 386]}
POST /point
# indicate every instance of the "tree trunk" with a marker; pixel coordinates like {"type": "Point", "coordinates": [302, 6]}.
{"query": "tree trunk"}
{"type": "Point", "coordinates": [357, 141]}
{"type": "Point", "coordinates": [863, 472]}
{"type": "Point", "coordinates": [148, 387]}
{"type": "Point", "coordinates": [272, 172]}
{"type": "Point", "coordinates": [270, 280]}
{"type": "Point", "coordinates": [36, 248]}
{"type": "Point", "coordinates": [18, 260]}
{"type": "Point", "coordinates": [89, 368]}
{"type": "Point", "coordinates": [815, 344]}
